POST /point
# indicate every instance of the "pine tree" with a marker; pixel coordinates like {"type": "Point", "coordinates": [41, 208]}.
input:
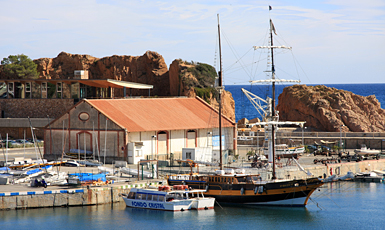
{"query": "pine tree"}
{"type": "Point", "coordinates": [20, 66]}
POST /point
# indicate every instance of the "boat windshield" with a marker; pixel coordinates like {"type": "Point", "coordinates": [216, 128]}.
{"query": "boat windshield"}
{"type": "Point", "coordinates": [131, 195]}
{"type": "Point", "coordinates": [174, 196]}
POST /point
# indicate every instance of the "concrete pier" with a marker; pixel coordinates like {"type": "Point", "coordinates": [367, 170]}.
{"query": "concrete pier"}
{"type": "Point", "coordinates": [23, 197]}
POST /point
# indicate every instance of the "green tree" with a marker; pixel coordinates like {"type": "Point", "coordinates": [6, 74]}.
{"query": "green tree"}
{"type": "Point", "coordinates": [20, 66]}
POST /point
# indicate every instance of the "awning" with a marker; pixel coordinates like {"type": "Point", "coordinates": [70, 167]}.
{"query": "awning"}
{"type": "Point", "coordinates": [100, 83]}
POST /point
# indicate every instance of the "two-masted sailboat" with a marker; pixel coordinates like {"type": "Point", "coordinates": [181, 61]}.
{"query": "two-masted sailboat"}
{"type": "Point", "coordinates": [231, 186]}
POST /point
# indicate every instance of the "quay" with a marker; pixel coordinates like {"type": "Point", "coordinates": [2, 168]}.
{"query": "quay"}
{"type": "Point", "coordinates": [22, 196]}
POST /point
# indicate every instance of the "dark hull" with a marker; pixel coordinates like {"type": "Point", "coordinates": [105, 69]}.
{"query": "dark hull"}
{"type": "Point", "coordinates": [284, 193]}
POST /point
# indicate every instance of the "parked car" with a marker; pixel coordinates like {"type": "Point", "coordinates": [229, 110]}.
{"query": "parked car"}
{"type": "Point", "coordinates": [10, 143]}
{"type": "Point", "coordinates": [37, 140]}
{"type": "Point", "coordinates": [22, 141]}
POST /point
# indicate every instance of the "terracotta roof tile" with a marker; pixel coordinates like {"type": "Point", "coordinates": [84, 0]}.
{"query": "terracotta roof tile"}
{"type": "Point", "coordinates": [160, 113]}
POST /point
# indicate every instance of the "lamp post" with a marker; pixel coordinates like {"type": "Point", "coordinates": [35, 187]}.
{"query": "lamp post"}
{"type": "Point", "coordinates": [152, 148]}
{"type": "Point", "coordinates": [257, 141]}
{"type": "Point", "coordinates": [340, 137]}
{"type": "Point", "coordinates": [303, 142]}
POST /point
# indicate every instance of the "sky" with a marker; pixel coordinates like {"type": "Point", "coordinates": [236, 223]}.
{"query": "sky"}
{"type": "Point", "coordinates": [333, 41]}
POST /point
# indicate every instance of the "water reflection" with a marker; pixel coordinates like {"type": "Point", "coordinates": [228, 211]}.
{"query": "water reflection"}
{"type": "Point", "coordinates": [342, 205]}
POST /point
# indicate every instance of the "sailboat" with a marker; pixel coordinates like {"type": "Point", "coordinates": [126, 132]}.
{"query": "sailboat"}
{"type": "Point", "coordinates": [228, 186]}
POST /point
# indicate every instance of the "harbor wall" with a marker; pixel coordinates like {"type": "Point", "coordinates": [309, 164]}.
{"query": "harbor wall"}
{"type": "Point", "coordinates": [64, 198]}
{"type": "Point", "coordinates": [326, 170]}
{"type": "Point", "coordinates": [350, 140]}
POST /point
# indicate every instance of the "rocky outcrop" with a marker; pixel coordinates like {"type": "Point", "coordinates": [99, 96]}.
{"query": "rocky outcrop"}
{"type": "Point", "coordinates": [197, 79]}
{"type": "Point", "coordinates": [328, 109]}
{"type": "Point", "coordinates": [149, 68]}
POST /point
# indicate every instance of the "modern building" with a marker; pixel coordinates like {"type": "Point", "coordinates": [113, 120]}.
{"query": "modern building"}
{"type": "Point", "coordinates": [45, 99]}
{"type": "Point", "coordinates": [137, 128]}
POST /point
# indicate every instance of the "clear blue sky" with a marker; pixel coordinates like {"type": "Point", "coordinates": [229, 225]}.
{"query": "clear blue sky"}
{"type": "Point", "coordinates": [334, 41]}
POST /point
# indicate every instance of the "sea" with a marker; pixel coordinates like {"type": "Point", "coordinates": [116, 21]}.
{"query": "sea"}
{"type": "Point", "coordinates": [244, 109]}
{"type": "Point", "coordinates": [337, 205]}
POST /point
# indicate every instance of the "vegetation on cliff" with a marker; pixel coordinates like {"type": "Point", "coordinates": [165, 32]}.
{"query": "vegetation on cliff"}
{"type": "Point", "coordinates": [200, 77]}
{"type": "Point", "coordinates": [19, 66]}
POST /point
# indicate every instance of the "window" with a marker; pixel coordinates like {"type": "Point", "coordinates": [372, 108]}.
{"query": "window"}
{"type": "Point", "coordinates": [28, 90]}
{"type": "Point", "coordinates": [155, 197]}
{"type": "Point", "coordinates": [11, 90]}
{"type": "Point", "coordinates": [59, 90]}
{"type": "Point", "coordinates": [44, 90]}
{"type": "Point", "coordinates": [138, 152]}
{"type": "Point", "coordinates": [149, 197]}
{"type": "Point", "coordinates": [144, 196]}
{"type": "Point", "coordinates": [84, 116]}
{"type": "Point", "coordinates": [161, 198]}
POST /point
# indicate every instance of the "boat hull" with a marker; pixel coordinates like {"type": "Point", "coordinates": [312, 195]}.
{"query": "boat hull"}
{"type": "Point", "coordinates": [294, 193]}
{"type": "Point", "coordinates": [203, 203]}
{"type": "Point", "coordinates": [180, 205]}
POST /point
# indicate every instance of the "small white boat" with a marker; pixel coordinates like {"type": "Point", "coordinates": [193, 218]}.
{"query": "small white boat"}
{"type": "Point", "coordinates": [369, 177]}
{"type": "Point", "coordinates": [168, 200]}
{"type": "Point", "coordinates": [134, 172]}
{"type": "Point", "coordinates": [106, 170]}
{"type": "Point", "coordinates": [284, 151]}
{"type": "Point", "coordinates": [364, 151]}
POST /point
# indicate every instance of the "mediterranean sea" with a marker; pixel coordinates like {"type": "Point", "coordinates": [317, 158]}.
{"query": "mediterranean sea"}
{"type": "Point", "coordinates": [338, 205]}
{"type": "Point", "coordinates": [244, 109]}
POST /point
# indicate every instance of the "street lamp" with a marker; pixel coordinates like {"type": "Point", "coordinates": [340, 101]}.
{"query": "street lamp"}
{"type": "Point", "coordinates": [152, 148]}
{"type": "Point", "coordinates": [257, 141]}
{"type": "Point", "coordinates": [341, 137]}
{"type": "Point", "coordinates": [303, 142]}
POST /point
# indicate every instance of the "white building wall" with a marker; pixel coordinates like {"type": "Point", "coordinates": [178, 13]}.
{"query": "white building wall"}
{"type": "Point", "coordinates": [177, 140]}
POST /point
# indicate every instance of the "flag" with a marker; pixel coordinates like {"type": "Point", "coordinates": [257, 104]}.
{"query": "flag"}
{"type": "Point", "coordinates": [270, 8]}
{"type": "Point", "coordinates": [272, 27]}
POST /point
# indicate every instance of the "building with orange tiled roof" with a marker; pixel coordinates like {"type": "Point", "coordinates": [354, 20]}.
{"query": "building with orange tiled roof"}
{"type": "Point", "coordinates": [137, 128]}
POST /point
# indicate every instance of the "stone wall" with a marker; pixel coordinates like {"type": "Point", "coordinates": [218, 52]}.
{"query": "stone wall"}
{"type": "Point", "coordinates": [34, 108]}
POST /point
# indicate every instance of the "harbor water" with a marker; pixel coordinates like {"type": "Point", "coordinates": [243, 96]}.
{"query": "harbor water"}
{"type": "Point", "coordinates": [338, 205]}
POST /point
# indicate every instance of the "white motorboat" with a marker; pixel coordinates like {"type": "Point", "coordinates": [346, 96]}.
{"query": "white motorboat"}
{"type": "Point", "coordinates": [369, 177]}
{"type": "Point", "coordinates": [134, 172]}
{"type": "Point", "coordinates": [364, 151]}
{"type": "Point", "coordinates": [106, 170]}
{"type": "Point", "coordinates": [284, 151]}
{"type": "Point", "coordinates": [167, 199]}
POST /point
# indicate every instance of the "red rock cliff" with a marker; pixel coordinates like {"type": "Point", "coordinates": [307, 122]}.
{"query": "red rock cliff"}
{"type": "Point", "coordinates": [150, 68]}
{"type": "Point", "coordinates": [327, 109]}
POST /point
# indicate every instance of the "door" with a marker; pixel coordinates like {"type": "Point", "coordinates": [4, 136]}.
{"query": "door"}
{"type": "Point", "coordinates": [162, 143]}
{"type": "Point", "coordinates": [191, 139]}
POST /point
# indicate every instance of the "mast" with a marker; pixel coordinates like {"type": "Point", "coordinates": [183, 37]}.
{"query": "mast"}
{"type": "Point", "coordinates": [273, 99]}
{"type": "Point", "coordinates": [272, 117]}
{"type": "Point", "coordinates": [220, 97]}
